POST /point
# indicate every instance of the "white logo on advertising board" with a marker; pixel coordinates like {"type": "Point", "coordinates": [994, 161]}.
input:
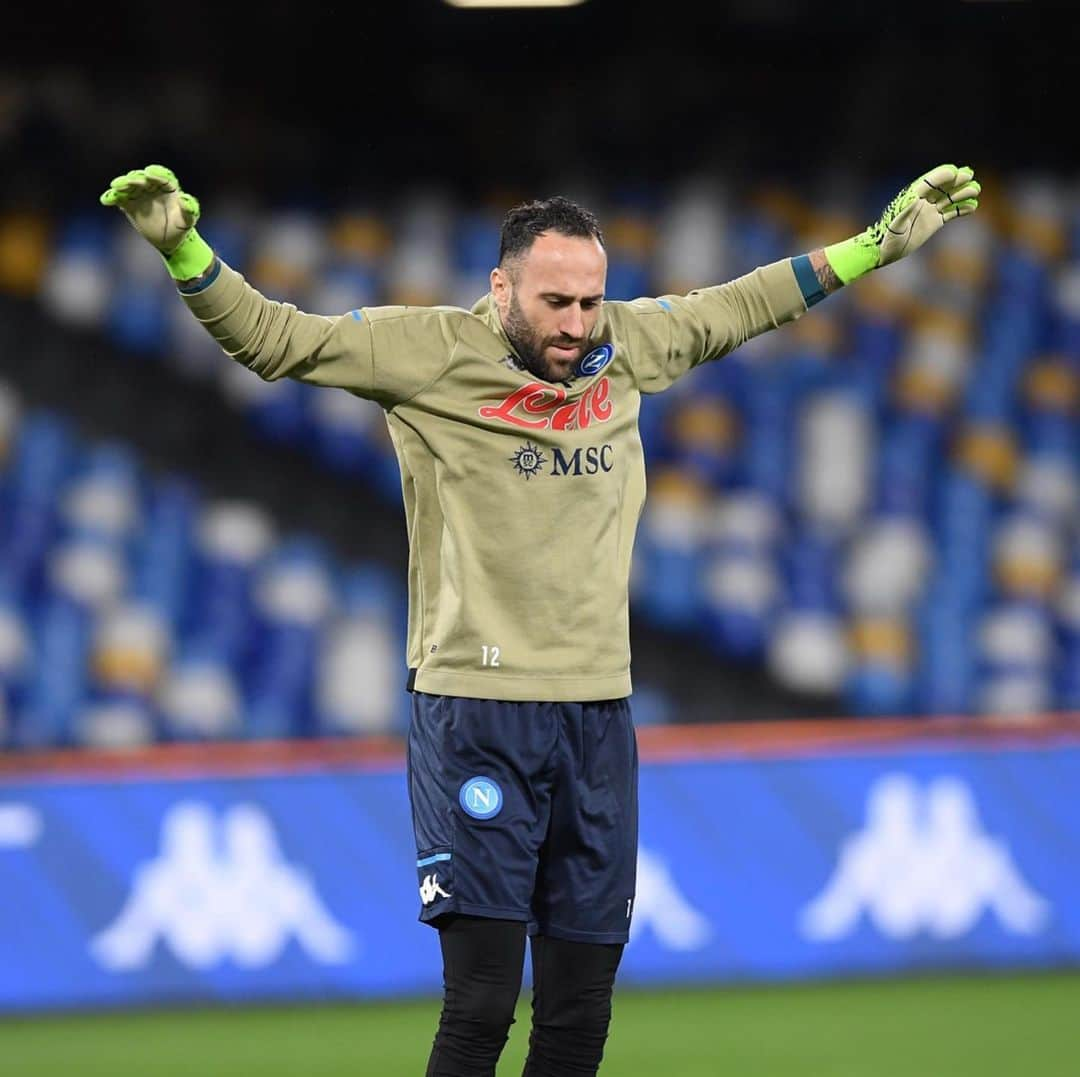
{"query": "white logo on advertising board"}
{"type": "Point", "coordinates": [660, 905]}
{"type": "Point", "coordinates": [922, 863]}
{"type": "Point", "coordinates": [218, 891]}
{"type": "Point", "coordinates": [20, 825]}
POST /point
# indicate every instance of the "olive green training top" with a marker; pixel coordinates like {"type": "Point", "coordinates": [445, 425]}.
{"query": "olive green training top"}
{"type": "Point", "coordinates": [522, 496]}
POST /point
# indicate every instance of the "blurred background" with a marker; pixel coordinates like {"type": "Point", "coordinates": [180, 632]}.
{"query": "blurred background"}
{"type": "Point", "coordinates": [871, 516]}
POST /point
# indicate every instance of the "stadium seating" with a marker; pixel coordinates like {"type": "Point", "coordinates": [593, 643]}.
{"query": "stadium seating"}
{"type": "Point", "coordinates": [881, 501]}
{"type": "Point", "coordinates": [134, 609]}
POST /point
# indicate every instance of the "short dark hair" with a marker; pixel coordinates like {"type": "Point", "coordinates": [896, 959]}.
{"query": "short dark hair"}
{"type": "Point", "coordinates": [525, 222]}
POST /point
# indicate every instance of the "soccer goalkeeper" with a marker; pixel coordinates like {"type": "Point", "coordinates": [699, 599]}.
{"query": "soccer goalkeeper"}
{"type": "Point", "coordinates": [515, 427]}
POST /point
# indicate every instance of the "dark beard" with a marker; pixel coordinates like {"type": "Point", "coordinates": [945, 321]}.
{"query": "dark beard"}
{"type": "Point", "coordinates": [528, 344]}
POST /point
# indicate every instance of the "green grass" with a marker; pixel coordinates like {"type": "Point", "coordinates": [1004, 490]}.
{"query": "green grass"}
{"type": "Point", "coordinates": [945, 1027]}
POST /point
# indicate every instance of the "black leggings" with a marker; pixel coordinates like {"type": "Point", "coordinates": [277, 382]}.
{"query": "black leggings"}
{"type": "Point", "coordinates": [482, 965]}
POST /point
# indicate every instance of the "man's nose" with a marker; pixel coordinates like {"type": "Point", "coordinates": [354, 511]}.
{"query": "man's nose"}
{"type": "Point", "coordinates": [572, 323]}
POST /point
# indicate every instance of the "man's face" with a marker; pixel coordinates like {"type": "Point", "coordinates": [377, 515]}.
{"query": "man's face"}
{"type": "Point", "coordinates": [549, 301]}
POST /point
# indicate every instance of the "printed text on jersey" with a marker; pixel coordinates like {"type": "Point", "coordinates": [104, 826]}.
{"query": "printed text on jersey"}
{"type": "Point", "coordinates": [548, 403]}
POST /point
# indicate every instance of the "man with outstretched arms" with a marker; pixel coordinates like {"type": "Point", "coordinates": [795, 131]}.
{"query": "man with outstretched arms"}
{"type": "Point", "coordinates": [515, 428]}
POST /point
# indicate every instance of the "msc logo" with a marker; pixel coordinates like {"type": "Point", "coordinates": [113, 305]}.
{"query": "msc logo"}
{"type": "Point", "coordinates": [587, 461]}
{"type": "Point", "coordinates": [595, 361]}
{"type": "Point", "coordinates": [528, 460]}
{"type": "Point", "coordinates": [549, 406]}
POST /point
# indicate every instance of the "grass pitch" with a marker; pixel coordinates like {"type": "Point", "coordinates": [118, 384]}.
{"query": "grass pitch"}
{"type": "Point", "coordinates": [954, 1026]}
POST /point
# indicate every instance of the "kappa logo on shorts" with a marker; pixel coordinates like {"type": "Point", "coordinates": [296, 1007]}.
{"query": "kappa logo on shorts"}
{"type": "Point", "coordinates": [481, 797]}
{"type": "Point", "coordinates": [430, 889]}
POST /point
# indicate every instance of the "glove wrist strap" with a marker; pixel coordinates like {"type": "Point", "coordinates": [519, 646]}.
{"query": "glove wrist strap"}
{"type": "Point", "coordinates": [855, 257]}
{"type": "Point", "coordinates": [190, 259]}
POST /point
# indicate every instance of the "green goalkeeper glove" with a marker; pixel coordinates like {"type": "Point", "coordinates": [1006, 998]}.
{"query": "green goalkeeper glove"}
{"type": "Point", "coordinates": [909, 220]}
{"type": "Point", "coordinates": [165, 216]}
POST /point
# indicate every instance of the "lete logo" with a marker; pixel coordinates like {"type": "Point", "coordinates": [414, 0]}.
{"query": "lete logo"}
{"type": "Point", "coordinates": [548, 403]}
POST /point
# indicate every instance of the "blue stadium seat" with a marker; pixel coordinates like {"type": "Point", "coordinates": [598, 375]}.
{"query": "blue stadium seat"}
{"type": "Point", "coordinates": [163, 556]}
{"type": "Point", "coordinates": [293, 600]}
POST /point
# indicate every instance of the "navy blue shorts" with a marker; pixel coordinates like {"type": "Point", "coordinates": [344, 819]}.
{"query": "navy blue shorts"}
{"type": "Point", "coordinates": [526, 811]}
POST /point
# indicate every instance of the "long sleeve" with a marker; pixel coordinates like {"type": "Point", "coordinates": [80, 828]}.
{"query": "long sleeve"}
{"type": "Point", "coordinates": [386, 354]}
{"type": "Point", "coordinates": [670, 335]}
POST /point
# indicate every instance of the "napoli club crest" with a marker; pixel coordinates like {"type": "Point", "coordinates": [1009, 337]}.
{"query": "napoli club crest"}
{"type": "Point", "coordinates": [594, 361]}
{"type": "Point", "coordinates": [481, 797]}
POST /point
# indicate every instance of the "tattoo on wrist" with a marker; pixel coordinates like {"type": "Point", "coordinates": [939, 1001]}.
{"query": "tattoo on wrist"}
{"type": "Point", "coordinates": [824, 272]}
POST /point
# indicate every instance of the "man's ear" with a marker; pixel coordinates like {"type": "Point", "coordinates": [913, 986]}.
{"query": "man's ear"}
{"type": "Point", "coordinates": [500, 287]}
